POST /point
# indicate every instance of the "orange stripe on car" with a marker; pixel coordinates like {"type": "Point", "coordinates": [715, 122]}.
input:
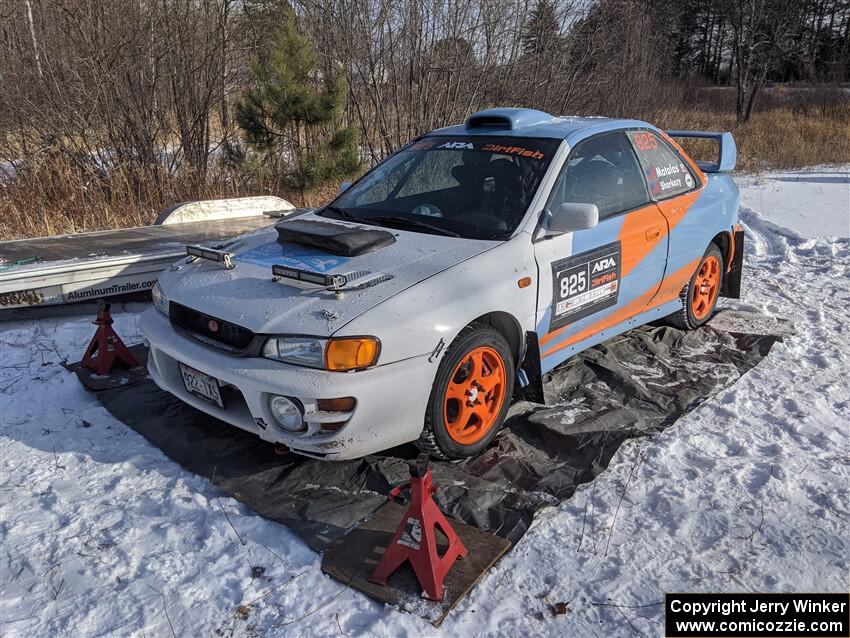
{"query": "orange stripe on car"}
{"type": "Point", "coordinates": [634, 242]}
{"type": "Point", "coordinates": [671, 286]}
{"type": "Point", "coordinates": [674, 209]}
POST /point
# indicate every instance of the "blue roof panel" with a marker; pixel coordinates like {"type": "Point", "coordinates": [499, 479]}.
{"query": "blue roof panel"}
{"type": "Point", "coordinates": [531, 123]}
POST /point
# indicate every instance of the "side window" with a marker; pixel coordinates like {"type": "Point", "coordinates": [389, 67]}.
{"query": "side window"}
{"type": "Point", "coordinates": [602, 170]}
{"type": "Point", "coordinates": [666, 173]}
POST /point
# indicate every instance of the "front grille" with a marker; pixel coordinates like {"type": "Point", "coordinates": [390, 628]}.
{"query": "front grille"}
{"type": "Point", "coordinates": [209, 330]}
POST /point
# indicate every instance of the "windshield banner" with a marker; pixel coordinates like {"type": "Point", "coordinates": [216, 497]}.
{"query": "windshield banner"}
{"type": "Point", "coordinates": [509, 146]}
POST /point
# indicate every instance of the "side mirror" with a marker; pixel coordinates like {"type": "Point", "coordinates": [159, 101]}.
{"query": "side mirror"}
{"type": "Point", "coordinates": [344, 186]}
{"type": "Point", "coordinates": [569, 217]}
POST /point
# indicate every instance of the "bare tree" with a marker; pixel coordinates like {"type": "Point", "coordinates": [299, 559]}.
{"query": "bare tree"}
{"type": "Point", "coordinates": [762, 37]}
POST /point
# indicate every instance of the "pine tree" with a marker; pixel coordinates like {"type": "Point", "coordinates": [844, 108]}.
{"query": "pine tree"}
{"type": "Point", "coordinates": [541, 34]}
{"type": "Point", "coordinates": [291, 115]}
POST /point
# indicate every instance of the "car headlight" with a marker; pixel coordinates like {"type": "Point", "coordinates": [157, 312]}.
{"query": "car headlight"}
{"type": "Point", "coordinates": [340, 355]}
{"type": "Point", "coordinates": [160, 301]}
{"type": "Point", "coordinates": [300, 351]}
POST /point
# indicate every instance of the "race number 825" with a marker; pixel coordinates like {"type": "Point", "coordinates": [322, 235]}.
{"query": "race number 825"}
{"type": "Point", "coordinates": [574, 283]}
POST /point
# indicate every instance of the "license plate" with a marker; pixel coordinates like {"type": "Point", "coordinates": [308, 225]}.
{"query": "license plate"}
{"type": "Point", "coordinates": [202, 385]}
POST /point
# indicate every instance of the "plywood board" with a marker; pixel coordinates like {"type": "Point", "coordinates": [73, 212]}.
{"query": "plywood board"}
{"type": "Point", "coordinates": [352, 559]}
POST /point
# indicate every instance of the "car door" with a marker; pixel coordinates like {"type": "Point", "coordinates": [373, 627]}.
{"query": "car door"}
{"type": "Point", "coordinates": [674, 184]}
{"type": "Point", "coordinates": [596, 278]}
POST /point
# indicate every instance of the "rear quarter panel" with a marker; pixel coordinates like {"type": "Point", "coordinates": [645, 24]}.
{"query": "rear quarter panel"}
{"type": "Point", "coordinates": [713, 211]}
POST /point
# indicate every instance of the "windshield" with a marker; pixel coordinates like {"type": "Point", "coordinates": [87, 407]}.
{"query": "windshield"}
{"type": "Point", "coordinates": [475, 187]}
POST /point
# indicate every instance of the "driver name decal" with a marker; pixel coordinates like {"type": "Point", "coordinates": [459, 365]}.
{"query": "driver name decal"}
{"type": "Point", "coordinates": [664, 178]}
{"type": "Point", "coordinates": [584, 284]}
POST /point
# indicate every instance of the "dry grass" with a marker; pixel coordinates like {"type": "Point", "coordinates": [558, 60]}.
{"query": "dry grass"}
{"type": "Point", "coordinates": [778, 138]}
{"type": "Point", "coordinates": [57, 196]}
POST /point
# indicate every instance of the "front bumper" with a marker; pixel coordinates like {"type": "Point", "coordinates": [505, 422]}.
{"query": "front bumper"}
{"type": "Point", "coordinates": [391, 399]}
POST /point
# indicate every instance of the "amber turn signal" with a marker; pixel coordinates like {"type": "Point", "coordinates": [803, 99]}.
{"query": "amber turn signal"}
{"type": "Point", "coordinates": [342, 404]}
{"type": "Point", "coordinates": [352, 353]}
{"type": "Point", "coordinates": [525, 282]}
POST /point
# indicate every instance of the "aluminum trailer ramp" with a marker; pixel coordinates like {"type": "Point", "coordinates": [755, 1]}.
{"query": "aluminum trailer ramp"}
{"type": "Point", "coordinates": [70, 268]}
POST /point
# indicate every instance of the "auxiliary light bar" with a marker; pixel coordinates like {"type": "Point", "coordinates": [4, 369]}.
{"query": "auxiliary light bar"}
{"type": "Point", "coordinates": [308, 276]}
{"type": "Point", "coordinates": [219, 256]}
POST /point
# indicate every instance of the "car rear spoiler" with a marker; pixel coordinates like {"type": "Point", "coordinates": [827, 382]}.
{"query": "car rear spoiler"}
{"type": "Point", "coordinates": [726, 155]}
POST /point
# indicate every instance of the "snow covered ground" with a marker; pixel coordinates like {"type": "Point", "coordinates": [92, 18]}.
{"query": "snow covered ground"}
{"type": "Point", "coordinates": [103, 536]}
{"type": "Point", "coordinates": [794, 200]}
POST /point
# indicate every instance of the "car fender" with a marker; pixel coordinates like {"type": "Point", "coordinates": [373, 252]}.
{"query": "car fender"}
{"type": "Point", "coordinates": [424, 319]}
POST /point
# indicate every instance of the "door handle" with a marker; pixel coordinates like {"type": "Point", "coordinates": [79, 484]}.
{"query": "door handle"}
{"type": "Point", "coordinates": [653, 234]}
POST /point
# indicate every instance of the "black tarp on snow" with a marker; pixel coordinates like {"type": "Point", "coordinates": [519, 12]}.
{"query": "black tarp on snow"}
{"type": "Point", "coordinates": [633, 385]}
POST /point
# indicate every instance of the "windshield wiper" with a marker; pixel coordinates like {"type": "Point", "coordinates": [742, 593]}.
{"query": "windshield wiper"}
{"type": "Point", "coordinates": [412, 223]}
{"type": "Point", "coordinates": [336, 210]}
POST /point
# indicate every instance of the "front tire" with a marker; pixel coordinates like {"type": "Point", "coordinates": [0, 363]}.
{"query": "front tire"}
{"type": "Point", "coordinates": [699, 297]}
{"type": "Point", "coordinates": [470, 396]}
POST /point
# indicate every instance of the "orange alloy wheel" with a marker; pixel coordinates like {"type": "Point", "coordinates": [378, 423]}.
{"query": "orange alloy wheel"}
{"type": "Point", "coordinates": [706, 286]}
{"type": "Point", "coordinates": [474, 395]}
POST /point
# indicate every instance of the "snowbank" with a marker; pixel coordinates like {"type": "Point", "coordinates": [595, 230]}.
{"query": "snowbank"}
{"type": "Point", "coordinates": [812, 203]}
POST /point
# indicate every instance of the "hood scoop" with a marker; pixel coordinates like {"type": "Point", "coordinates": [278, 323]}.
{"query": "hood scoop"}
{"type": "Point", "coordinates": [335, 239]}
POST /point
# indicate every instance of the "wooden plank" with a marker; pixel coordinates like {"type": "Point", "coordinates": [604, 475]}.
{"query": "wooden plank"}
{"type": "Point", "coordinates": [352, 559]}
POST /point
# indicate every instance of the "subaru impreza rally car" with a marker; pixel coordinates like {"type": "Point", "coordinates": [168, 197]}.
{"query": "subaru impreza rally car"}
{"type": "Point", "coordinates": [446, 281]}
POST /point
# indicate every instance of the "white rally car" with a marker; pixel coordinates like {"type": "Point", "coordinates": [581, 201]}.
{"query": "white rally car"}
{"type": "Point", "coordinates": [446, 281]}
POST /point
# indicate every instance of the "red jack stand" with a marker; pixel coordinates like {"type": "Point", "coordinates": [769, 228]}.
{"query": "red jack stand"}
{"type": "Point", "coordinates": [106, 346]}
{"type": "Point", "coordinates": [415, 540]}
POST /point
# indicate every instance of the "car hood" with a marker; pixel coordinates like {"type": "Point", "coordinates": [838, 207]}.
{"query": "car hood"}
{"type": "Point", "coordinates": [248, 296]}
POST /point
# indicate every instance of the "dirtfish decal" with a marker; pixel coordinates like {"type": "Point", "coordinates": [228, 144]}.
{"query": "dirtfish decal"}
{"type": "Point", "coordinates": [512, 150]}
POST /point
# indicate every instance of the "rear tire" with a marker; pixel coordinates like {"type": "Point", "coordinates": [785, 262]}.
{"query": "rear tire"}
{"type": "Point", "coordinates": [470, 396]}
{"type": "Point", "coordinates": [699, 297]}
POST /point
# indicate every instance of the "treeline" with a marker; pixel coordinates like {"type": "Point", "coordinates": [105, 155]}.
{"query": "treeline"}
{"type": "Point", "coordinates": [141, 98]}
